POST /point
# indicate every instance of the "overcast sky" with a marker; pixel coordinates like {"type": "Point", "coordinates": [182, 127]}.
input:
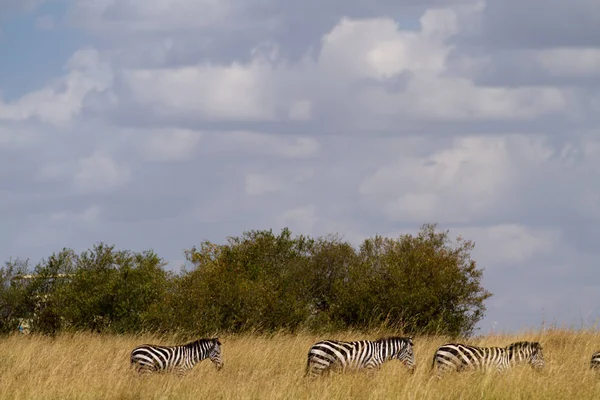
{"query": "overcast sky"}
{"type": "Point", "coordinates": [162, 123]}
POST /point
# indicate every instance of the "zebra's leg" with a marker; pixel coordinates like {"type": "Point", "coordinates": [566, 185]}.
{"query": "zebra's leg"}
{"type": "Point", "coordinates": [180, 371]}
{"type": "Point", "coordinates": [371, 370]}
{"type": "Point", "coordinates": [441, 369]}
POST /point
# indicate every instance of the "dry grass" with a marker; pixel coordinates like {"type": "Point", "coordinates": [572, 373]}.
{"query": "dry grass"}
{"type": "Point", "coordinates": [87, 366]}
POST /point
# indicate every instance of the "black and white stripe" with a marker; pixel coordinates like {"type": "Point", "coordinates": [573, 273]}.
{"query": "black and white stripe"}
{"type": "Point", "coordinates": [363, 354]}
{"type": "Point", "coordinates": [149, 358]}
{"type": "Point", "coordinates": [457, 357]}
{"type": "Point", "coordinates": [595, 361]}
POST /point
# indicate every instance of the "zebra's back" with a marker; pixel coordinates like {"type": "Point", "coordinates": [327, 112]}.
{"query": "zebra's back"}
{"type": "Point", "coordinates": [153, 358]}
{"type": "Point", "coordinates": [458, 357]}
{"type": "Point", "coordinates": [339, 356]}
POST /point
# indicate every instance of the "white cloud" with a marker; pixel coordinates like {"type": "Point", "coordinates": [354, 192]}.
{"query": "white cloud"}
{"type": "Point", "coordinates": [451, 185]}
{"type": "Point", "coordinates": [59, 102]}
{"type": "Point", "coordinates": [570, 62]}
{"type": "Point", "coordinates": [145, 16]}
{"type": "Point", "coordinates": [168, 144]}
{"type": "Point", "coordinates": [261, 183]}
{"type": "Point", "coordinates": [510, 244]}
{"type": "Point", "coordinates": [17, 136]}
{"type": "Point", "coordinates": [88, 216]}
{"type": "Point", "coordinates": [267, 88]}
{"type": "Point", "coordinates": [284, 146]}
{"type": "Point", "coordinates": [257, 184]}
{"type": "Point", "coordinates": [459, 98]}
{"type": "Point", "coordinates": [301, 110]}
{"type": "Point", "coordinates": [377, 48]}
{"type": "Point", "coordinates": [99, 173]}
{"type": "Point", "coordinates": [234, 92]}
{"type": "Point", "coordinates": [301, 220]}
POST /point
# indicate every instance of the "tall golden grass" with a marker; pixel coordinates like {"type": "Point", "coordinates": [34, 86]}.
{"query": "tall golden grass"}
{"type": "Point", "coordinates": [86, 366]}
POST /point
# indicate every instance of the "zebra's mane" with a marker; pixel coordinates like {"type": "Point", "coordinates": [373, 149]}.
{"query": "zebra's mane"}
{"type": "Point", "coordinates": [523, 345]}
{"type": "Point", "coordinates": [407, 339]}
{"type": "Point", "coordinates": [200, 342]}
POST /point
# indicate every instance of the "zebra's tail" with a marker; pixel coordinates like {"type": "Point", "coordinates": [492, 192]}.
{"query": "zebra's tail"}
{"type": "Point", "coordinates": [310, 372]}
{"type": "Point", "coordinates": [307, 370]}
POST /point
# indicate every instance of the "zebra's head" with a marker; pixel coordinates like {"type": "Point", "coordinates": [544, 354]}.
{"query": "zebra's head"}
{"type": "Point", "coordinates": [529, 351]}
{"type": "Point", "coordinates": [537, 356]}
{"type": "Point", "coordinates": [404, 351]}
{"type": "Point", "coordinates": [215, 353]}
{"type": "Point", "coordinates": [407, 355]}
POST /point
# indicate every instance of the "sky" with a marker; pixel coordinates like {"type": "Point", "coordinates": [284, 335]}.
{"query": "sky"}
{"type": "Point", "coordinates": [157, 124]}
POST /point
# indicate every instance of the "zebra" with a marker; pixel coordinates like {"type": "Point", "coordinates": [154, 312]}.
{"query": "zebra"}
{"type": "Point", "coordinates": [362, 354]}
{"type": "Point", "coordinates": [149, 358]}
{"type": "Point", "coordinates": [456, 356]}
{"type": "Point", "coordinates": [595, 362]}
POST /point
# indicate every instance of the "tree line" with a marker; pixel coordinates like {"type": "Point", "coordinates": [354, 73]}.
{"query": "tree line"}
{"type": "Point", "coordinates": [259, 282]}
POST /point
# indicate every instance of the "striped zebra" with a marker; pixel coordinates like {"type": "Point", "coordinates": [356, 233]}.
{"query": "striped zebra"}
{"type": "Point", "coordinates": [595, 362]}
{"type": "Point", "coordinates": [149, 358]}
{"type": "Point", "coordinates": [457, 357]}
{"type": "Point", "coordinates": [363, 354]}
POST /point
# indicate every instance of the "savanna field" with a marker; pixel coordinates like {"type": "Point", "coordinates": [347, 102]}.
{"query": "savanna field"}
{"type": "Point", "coordinates": [87, 366]}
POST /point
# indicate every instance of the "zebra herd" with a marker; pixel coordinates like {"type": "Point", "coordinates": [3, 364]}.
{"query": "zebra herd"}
{"type": "Point", "coordinates": [335, 355]}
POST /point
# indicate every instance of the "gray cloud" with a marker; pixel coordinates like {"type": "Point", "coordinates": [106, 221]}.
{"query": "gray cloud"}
{"type": "Point", "coordinates": [541, 23]}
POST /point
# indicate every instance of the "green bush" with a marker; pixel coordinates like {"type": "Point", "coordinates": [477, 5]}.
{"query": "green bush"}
{"type": "Point", "coordinates": [259, 282]}
{"type": "Point", "coordinates": [264, 282]}
{"type": "Point", "coordinates": [101, 290]}
{"type": "Point", "coordinates": [14, 299]}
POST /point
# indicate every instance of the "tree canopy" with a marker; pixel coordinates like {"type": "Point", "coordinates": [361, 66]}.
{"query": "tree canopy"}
{"type": "Point", "coordinates": [259, 281]}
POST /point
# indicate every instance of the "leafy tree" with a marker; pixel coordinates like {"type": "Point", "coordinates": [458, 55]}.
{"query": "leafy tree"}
{"type": "Point", "coordinates": [259, 281]}
{"type": "Point", "coordinates": [246, 284]}
{"type": "Point", "coordinates": [114, 290]}
{"type": "Point", "coordinates": [13, 295]}
{"type": "Point", "coordinates": [422, 283]}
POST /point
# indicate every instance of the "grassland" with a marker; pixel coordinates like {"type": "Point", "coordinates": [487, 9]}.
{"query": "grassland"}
{"type": "Point", "coordinates": [85, 366]}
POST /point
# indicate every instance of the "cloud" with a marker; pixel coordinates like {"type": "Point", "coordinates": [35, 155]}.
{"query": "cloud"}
{"type": "Point", "coordinates": [168, 145]}
{"type": "Point", "coordinates": [302, 219]}
{"type": "Point", "coordinates": [18, 137]}
{"type": "Point", "coordinates": [556, 24]}
{"type": "Point", "coordinates": [467, 181]}
{"type": "Point", "coordinates": [511, 244]}
{"type": "Point", "coordinates": [296, 146]}
{"type": "Point", "coordinates": [98, 173]}
{"type": "Point", "coordinates": [379, 49]}
{"type": "Point", "coordinates": [136, 15]}
{"type": "Point", "coordinates": [209, 92]}
{"type": "Point", "coordinates": [301, 110]}
{"type": "Point", "coordinates": [61, 101]}
{"type": "Point", "coordinates": [375, 54]}
{"type": "Point", "coordinates": [570, 62]}
{"type": "Point", "coordinates": [265, 183]}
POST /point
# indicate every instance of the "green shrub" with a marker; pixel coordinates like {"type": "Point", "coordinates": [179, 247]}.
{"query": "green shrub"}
{"type": "Point", "coordinates": [259, 282]}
